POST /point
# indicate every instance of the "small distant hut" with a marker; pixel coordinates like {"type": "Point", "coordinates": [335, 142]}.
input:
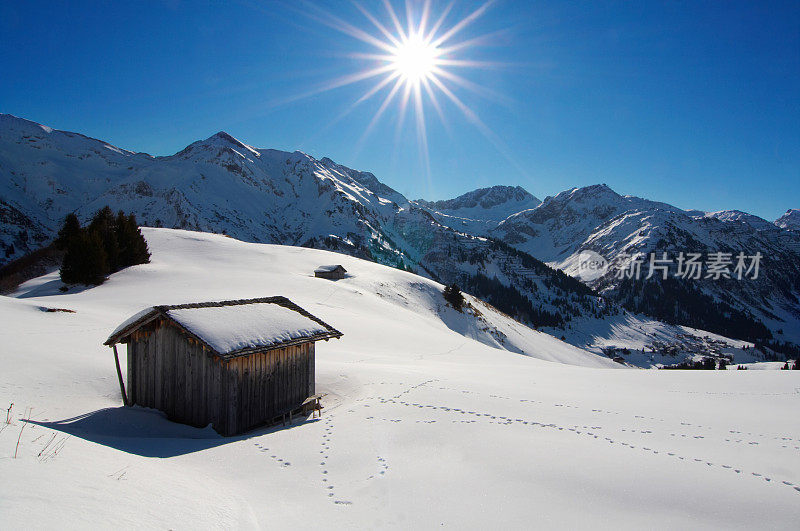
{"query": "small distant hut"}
{"type": "Point", "coordinates": [233, 364]}
{"type": "Point", "coordinates": [331, 272]}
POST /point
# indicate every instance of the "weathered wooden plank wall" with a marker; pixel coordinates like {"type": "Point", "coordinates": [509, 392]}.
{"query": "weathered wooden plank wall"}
{"type": "Point", "coordinates": [264, 385]}
{"type": "Point", "coordinates": [177, 375]}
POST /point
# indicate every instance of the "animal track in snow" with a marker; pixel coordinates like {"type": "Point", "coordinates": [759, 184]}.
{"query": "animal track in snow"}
{"type": "Point", "coordinates": [383, 466]}
{"type": "Point", "coordinates": [327, 486]}
{"type": "Point", "coordinates": [279, 460]}
{"type": "Point", "coordinates": [584, 431]}
{"type": "Point", "coordinates": [422, 384]}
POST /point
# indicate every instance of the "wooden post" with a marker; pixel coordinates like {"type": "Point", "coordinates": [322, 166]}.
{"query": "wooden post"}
{"type": "Point", "coordinates": [119, 375]}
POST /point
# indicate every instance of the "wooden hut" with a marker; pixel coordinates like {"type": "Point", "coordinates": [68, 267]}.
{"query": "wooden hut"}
{"type": "Point", "coordinates": [233, 364]}
{"type": "Point", "coordinates": [331, 272]}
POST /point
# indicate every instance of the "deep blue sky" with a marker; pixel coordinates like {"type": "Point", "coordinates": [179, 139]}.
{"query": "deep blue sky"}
{"type": "Point", "coordinates": [691, 103]}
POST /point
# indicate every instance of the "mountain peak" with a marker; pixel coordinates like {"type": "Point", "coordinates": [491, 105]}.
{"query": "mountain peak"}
{"type": "Point", "coordinates": [738, 216]}
{"type": "Point", "coordinates": [11, 121]}
{"type": "Point", "coordinates": [603, 198]}
{"type": "Point", "coordinates": [487, 199]}
{"type": "Point", "coordinates": [790, 220]}
{"type": "Point", "coordinates": [218, 140]}
{"type": "Point", "coordinates": [594, 190]}
{"type": "Point", "coordinates": [222, 136]}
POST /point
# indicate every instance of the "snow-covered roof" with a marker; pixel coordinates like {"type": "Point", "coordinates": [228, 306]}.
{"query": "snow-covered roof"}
{"type": "Point", "coordinates": [237, 327]}
{"type": "Point", "coordinates": [329, 268]}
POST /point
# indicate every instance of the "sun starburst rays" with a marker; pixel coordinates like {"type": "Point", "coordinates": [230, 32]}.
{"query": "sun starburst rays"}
{"type": "Point", "coordinates": [413, 60]}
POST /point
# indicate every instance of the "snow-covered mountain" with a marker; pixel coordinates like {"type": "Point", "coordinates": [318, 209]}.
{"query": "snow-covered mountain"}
{"type": "Point", "coordinates": [222, 185]}
{"type": "Point", "coordinates": [482, 209]}
{"type": "Point", "coordinates": [557, 228]}
{"type": "Point", "coordinates": [737, 216]}
{"type": "Point", "coordinates": [619, 228]}
{"type": "Point", "coordinates": [218, 184]}
{"type": "Point", "coordinates": [215, 184]}
{"type": "Point", "coordinates": [790, 220]}
{"type": "Point", "coordinates": [45, 175]}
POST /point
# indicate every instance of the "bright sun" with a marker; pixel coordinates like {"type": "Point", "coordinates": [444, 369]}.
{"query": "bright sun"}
{"type": "Point", "coordinates": [415, 59]}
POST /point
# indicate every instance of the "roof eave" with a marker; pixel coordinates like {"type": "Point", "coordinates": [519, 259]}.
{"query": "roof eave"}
{"type": "Point", "coordinates": [161, 311]}
{"type": "Point", "coordinates": [292, 342]}
{"type": "Point", "coordinates": [113, 339]}
{"type": "Point", "coordinates": [149, 318]}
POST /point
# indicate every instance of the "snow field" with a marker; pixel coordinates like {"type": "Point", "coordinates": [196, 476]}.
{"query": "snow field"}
{"type": "Point", "coordinates": [427, 423]}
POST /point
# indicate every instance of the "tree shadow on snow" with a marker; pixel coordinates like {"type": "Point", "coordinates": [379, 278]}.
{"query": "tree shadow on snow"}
{"type": "Point", "coordinates": [148, 432]}
{"type": "Point", "coordinates": [51, 288]}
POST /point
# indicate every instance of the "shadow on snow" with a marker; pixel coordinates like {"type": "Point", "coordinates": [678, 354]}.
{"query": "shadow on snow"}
{"type": "Point", "coordinates": [148, 432]}
{"type": "Point", "coordinates": [52, 288]}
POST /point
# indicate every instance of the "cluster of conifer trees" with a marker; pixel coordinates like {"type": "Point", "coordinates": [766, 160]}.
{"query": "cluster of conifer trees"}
{"type": "Point", "coordinates": [108, 244]}
{"type": "Point", "coordinates": [677, 301]}
{"type": "Point", "coordinates": [509, 300]}
{"type": "Point", "coordinates": [778, 350]}
{"type": "Point", "coordinates": [454, 296]}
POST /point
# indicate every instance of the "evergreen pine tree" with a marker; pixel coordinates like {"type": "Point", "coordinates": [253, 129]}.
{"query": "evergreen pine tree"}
{"type": "Point", "coordinates": [132, 245]}
{"type": "Point", "coordinates": [107, 245]}
{"type": "Point", "coordinates": [104, 226]}
{"type": "Point", "coordinates": [453, 295]}
{"type": "Point", "coordinates": [69, 231]}
{"type": "Point", "coordinates": [85, 261]}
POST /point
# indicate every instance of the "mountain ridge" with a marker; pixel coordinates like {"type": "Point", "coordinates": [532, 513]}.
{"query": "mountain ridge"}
{"type": "Point", "coordinates": [221, 184]}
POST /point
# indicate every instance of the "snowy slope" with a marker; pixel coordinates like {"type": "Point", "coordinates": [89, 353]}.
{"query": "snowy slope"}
{"type": "Point", "coordinates": [180, 256]}
{"type": "Point", "coordinates": [647, 343]}
{"type": "Point", "coordinates": [423, 425]}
